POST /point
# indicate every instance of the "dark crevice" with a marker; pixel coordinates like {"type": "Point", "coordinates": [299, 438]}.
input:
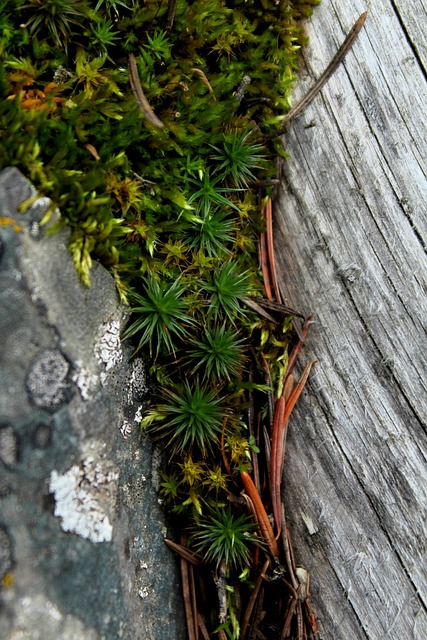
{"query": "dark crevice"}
{"type": "Point", "coordinates": [409, 40]}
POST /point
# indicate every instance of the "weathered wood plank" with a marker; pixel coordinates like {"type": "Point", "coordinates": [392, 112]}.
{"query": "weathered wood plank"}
{"type": "Point", "coordinates": [351, 232]}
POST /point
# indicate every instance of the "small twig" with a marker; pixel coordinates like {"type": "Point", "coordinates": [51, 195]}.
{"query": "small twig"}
{"type": "Point", "coordinates": [141, 179]}
{"type": "Point", "coordinates": [252, 600]}
{"type": "Point", "coordinates": [308, 612]}
{"type": "Point", "coordinates": [187, 600]}
{"type": "Point", "coordinates": [185, 553]}
{"type": "Point", "coordinates": [275, 306]}
{"type": "Point", "coordinates": [267, 447]}
{"type": "Point", "coordinates": [300, 622]}
{"type": "Point", "coordinates": [170, 15]}
{"type": "Point", "coordinates": [251, 102]}
{"type": "Point", "coordinates": [194, 602]}
{"type": "Point", "coordinates": [330, 69]}
{"type": "Point", "coordinates": [255, 465]}
{"type": "Point", "coordinates": [288, 618]}
{"type": "Point", "coordinates": [241, 90]}
{"type": "Point", "coordinates": [269, 382]}
{"type": "Point", "coordinates": [284, 408]}
{"type": "Point", "coordinates": [277, 450]}
{"type": "Point", "coordinates": [250, 302]}
{"type": "Point", "coordinates": [224, 456]}
{"type": "Point", "coordinates": [202, 627]}
{"type": "Point", "coordinates": [288, 553]}
{"type": "Point", "coordinates": [288, 387]}
{"type": "Point", "coordinates": [298, 389]}
{"type": "Point", "coordinates": [139, 94]}
{"type": "Point", "coordinates": [258, 618]}
{"type": "Point", "coordinates": [257, 184]}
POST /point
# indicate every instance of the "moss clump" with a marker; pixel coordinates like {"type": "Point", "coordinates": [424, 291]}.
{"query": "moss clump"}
{"type": "Point", "coordinates": [217, 74]}
{"type": "Point", "coordinates": [144, 123]}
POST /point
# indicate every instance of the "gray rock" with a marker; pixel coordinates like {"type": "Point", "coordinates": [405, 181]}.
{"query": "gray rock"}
{"type": "Point", "coordinates": [81, 528]}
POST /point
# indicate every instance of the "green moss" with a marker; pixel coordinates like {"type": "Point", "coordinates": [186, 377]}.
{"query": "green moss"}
{"type": "Point", "coordinates": [170, 204]}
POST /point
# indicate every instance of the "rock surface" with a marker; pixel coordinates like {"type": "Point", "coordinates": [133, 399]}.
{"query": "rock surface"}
{"type": "Point", "coordinates": [81, 529]}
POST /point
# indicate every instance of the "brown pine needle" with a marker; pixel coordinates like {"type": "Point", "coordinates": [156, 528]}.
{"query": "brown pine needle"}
{"type": "Point", "coordinates": [318, 86]}
{"type": "Point", "coordinates": [204, 79]}
{"type": "Point", "coordinates": [268, 212]}
{"type": "Point", "coordinates": [263, 258]}
{"type": "Point", "coordinates": [250, 302]}
{"type": "Point", "coordinates": [297, 349]}
{"type": "Point", "coordinates": [261, 514]}
{"type": "Point", "coordinates": [182, 551]}
{"type": "Point", "coordinates": [252, 600]}
{"type": "Point", "coordinates": [275, 306]}
{"type": "Point", "coordinates": [186, 592]}
{"type": "Point", "coordinates": [140, 95]}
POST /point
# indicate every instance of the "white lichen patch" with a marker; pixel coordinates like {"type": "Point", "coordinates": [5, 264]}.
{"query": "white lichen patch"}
{"type": "Point", "coordinates": [84, 498]}
{"type": "Point", "coordinates": [85, 380]}
{"type": "Point", "coordinates": [143, 593]}
{"type": "Point", "coordinates": [138, 414]}
{"type": "Point", "coordinates": [108, 349]}
{"type": "Point", "coordinates": [47, 379]}
{"type": "Point", "coordinates": [126, 429]}
{"type": "Point", "coordinates": [8, 446]}
{"type": "Point", "coordinates": [156, 467]}
{"type": "Point", "coordinates": [137, 381]}
{"type": "Point", "coordinates": [38, 618]}
{"type": "Point", "coordinates": [42, 202]}
{"type": "Point", "coordinates": [34, 229]}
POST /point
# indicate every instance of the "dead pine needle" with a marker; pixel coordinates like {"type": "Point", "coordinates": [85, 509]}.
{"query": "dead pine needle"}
{"type": "Point", "coordinates": [204, 79]}
{"type": "Point", "coordinates": [140, 95]}
{"type": "Point", "coordinates": [318, 86]}
{"type": "Point", "coordinates": [252, 600]}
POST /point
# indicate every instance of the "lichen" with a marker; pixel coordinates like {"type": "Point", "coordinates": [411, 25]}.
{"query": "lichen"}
{"type": "Point", "coordinates": [125, 429]}
{"type": "Point", "coordinates": [137, 386]}
{"type": "Point", "coordinates": [5, 221]}
{"type": "Point", "coordinates": [84, 498]}
{"type": "Point", "coordinates": [86, 381]}
{"type": "Point", "coordinates": [8, 446]}
{"type": "Point", "coordinates": [38, 618]}
{"type": "Point", "coordinates": [108, 348]}
{"type": "Point", "coordinates": [6, 553]}
{"type": "Point", "coordinates": [47, 383]}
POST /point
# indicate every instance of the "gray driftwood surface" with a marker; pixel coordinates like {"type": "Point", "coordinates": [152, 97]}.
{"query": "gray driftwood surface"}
{"type": "Point", "coordinates": [350, 237]}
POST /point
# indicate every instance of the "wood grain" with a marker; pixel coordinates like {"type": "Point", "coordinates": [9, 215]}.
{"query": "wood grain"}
{"type": "Point", "coordinates": [350, 241]}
